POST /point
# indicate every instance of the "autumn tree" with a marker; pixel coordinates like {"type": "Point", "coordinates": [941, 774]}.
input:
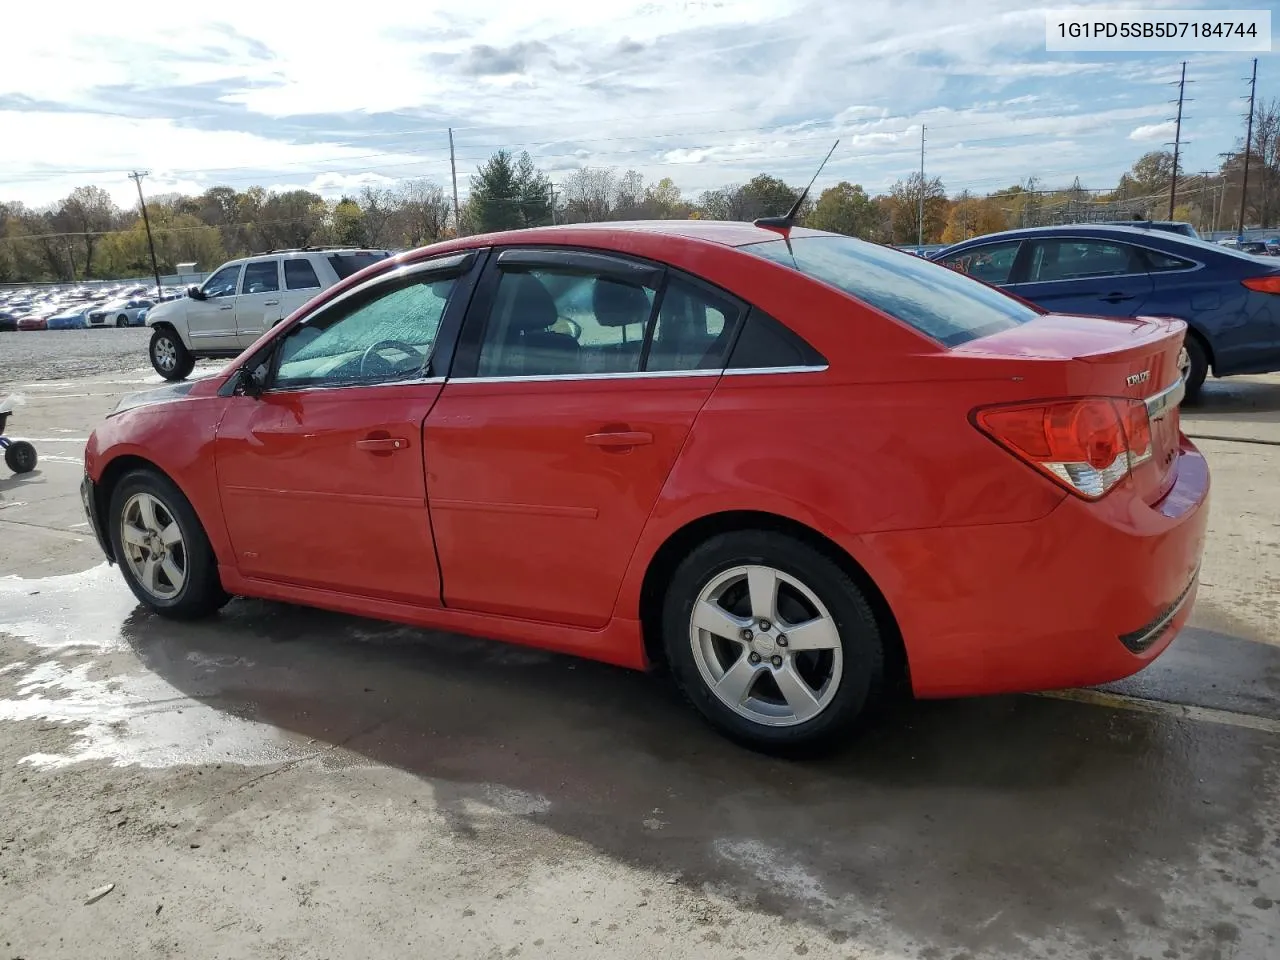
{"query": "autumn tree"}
{"type": "Point", "coordinates": [973, 217]}
{"type": "Point", "coordinates": [904, 210]}
{"type": "Point", "coordinates": [845, 208]}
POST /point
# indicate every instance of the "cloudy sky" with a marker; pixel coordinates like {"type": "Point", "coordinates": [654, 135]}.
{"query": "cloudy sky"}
{"type": "Point", "coordinates": [707, 92]}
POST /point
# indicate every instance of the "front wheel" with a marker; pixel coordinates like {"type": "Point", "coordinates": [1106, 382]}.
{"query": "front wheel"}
{"type": "Point", "coordinates": [772, 641]}
{"type": "Point", "coordinates": [169, 356]}
{"type": "Point", "coordinates": [122, 321]}
{"type": "Point", "coordinates": [20, 456]}
{"type": "Point", "coordinates": [162, 549]}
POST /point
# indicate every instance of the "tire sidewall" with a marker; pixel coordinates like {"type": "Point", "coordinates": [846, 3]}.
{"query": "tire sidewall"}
{"type": "Point", "coordinates": [862, 649]}
{"type": "Point", "coordinates": [183, 362]}
{"type": "Point", "coordinates": [20, 457]}
{"type": "Point", "coordinates": [195, 544]}
{"type": "Point", "coordinates": [1199, 367]}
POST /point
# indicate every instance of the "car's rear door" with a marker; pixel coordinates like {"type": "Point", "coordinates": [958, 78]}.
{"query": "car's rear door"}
{"type": "Point", "coordinates": [300, 283]}
{"type": "Point", "coordinates": [576, 383]}
{"type": "Point", "coordinates": [1085, 275]}
{"type": "Point", "coordinates": [322, 476]}
{"type": "Point", "coordinates": [258, 305]}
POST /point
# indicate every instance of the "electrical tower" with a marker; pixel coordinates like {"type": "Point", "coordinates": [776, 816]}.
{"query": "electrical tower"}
{"type": "Point", "coordinates": [136, 177]}
{"type": "Point", "coordinates": [1177, 139]}
{"type": "Point", "coordinates": [1248, 145]}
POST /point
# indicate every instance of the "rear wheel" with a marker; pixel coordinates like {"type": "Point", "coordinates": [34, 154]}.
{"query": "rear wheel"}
{"type": "Point", "coordinates": [169, 356]}
{"type": "Point", "coordinates": [20, 456]}
{"type": "Point", "coordinates": [163, 551]}
{"type": "Point", "coordinates": [1194, 367]}
{"type": "Point", "coordinates": [122, 321]}
{"type": "Point", "coordinates": [772, 642]}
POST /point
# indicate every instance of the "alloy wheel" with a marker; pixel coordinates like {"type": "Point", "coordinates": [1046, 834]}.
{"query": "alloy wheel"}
{"type": "Point", "coordinates": [153, 546]}
{"type": "Point", "coordinates": [166, 354]}
{"type": "Point", "coordinates": [766, 646]}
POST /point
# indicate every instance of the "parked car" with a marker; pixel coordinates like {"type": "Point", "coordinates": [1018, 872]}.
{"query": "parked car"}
{"type": "Point", "coordinates": [1229, 299]}
{"type": "Point", "coordinates": [1171, 226]}
{"type": "Point", "coordinates": [240, 301]}
{"type": "Point", "coordinates": [36, 320]}
{"type": "Point", "coordinates": [8, 320]}
{"type": "Point", "coordinates": [798, 470]}
{"type": "Point", "coordinates": [69, 318]}
{"type": "Point", "coordinates": [120, 313]}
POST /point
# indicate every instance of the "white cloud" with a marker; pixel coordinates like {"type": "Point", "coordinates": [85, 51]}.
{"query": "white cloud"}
{"type": "Point", "coordinates": [1153, 131]}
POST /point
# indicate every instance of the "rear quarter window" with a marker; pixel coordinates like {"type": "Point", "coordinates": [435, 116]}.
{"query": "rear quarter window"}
{"type": "Point", "coordinates": [929, 297]}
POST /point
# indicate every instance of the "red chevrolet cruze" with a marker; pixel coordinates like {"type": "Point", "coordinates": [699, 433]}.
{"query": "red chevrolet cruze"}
{"type": "Point", "coordinates": [794, 466]}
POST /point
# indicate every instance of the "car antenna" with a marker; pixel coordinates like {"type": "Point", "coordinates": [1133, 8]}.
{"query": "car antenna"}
{"type": "Point", "coordinates": [784, 224]}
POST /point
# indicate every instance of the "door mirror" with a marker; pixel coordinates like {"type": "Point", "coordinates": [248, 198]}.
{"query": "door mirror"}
{"type": "Point", "coordinates": [250, 382]}
{"type": "Point", "coordinates": [195, 293]}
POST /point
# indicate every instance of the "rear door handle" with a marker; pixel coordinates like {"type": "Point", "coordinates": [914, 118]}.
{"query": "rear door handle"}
{"type": "Point", "coordinates": [229, 306]}
{"type": "Point", "coordinates": [1116, 297]}
{"type": "Point", "coordinates": [620, 438]}
{"type": "Point", "coordinates": [270, 303]}
{"type": "Point", "coordinates": [382, 444]}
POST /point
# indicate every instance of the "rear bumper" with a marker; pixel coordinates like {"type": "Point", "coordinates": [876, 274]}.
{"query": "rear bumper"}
{"type": "Point", "coordinates": [1088, 594]}
{"type": "Point", "coordinates": [88, 496]}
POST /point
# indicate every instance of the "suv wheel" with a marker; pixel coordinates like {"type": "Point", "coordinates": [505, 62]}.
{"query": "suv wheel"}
{"type": "Point", "coordinates": [170, 358]}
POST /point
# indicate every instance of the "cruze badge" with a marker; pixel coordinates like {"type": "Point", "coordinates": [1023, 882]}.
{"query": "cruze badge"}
{"type": "Point", "coordinates": [1136, 378]}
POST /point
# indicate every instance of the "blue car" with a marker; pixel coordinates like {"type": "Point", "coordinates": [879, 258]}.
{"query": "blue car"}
{"type": "Point", "coordinates": [1230, 300]}
{"type": "Point", "coordinates": [72, 318]}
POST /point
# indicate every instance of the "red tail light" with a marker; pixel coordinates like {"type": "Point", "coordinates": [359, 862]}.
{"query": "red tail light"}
{"type": "Point", "coordinates": [1087, 445]}
{"type": "Point", "coordinates": [1267, 284]}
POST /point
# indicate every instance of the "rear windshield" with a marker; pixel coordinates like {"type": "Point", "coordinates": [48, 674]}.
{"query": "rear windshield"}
{"type": "Point", "coordinates": [940, 303]}
{"type": "Point", "coordinates": [345, 264]}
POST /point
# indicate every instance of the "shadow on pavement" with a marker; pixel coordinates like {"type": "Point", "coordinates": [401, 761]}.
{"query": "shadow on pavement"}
{"type": "Point", "coordinates": [985, 824]}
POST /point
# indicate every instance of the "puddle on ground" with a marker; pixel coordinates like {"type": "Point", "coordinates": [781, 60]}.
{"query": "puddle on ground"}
{"type": "Point", "coordinates": [70, 666]}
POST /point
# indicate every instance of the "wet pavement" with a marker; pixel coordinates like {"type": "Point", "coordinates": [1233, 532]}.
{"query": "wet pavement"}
{"type": "Point", "coordinates": [280, 781]}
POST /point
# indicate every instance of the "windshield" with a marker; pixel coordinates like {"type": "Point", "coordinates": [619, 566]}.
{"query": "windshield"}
{"type": "Point", "coordinates": [940, 303]}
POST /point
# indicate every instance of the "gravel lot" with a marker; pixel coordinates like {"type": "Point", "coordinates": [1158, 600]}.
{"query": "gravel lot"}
{"type": "Point", "coordinates": [54, 354]}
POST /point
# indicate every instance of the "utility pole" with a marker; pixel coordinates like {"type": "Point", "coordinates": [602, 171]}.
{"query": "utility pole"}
{"type": "Point", "coordinates": [1248, 144]}
{"type": "Point", "coordinates": [453, 165]}
{"type": "Point", "coordinates": [920, 211]}
{"type": "Point", "coordinates": [1177, 140]}
{"type": "Point", "coordinates": [552, 188]}
{"type": "Point", "coordinates": [136, 177]}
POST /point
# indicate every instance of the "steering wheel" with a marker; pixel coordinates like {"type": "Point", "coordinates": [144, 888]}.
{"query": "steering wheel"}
{"type": "Point", "coordinates": [407, 349]}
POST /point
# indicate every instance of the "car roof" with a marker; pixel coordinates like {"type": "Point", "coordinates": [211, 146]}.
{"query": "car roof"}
{"type": "Point", "coordinates": [728, 233]}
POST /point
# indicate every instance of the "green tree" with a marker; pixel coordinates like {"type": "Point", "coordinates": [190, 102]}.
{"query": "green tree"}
{"type": "Point", "coordinates": [509, 192]}
{"type": "Point", "coordinates": [348, 223]}
{"type": "Point", "coordinates": [845, 208]}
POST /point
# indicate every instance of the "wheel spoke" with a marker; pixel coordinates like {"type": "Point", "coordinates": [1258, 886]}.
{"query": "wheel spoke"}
{"type": "Point", "coordinates": [762, 586]}
{"type": "Point", "coordinates": [147, 511]}
{"type": "Point", "coordinates": [737, 681]}
{"type": "Point", "coordinates": [149, 578]}
{"type": "Point", "coordinates": [134, 536]}
{"type": "Point", "coordinates": [172, 573]}
{"type": "Point", "coordinates": [713, 618]}
{"type": "Point", "coordinates": [171, 534]}
{"type": "Point", "coordinates": [817, 634]}
{"type": "Point", "coordinates": [801, 700]}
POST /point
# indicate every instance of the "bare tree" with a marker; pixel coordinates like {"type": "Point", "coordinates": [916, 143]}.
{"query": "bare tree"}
{"type": "Point", "coordinates": [380, 206]}
{"type": "Point", "coordinates": [590, 194]}
{"type": "Point", "coordinates": [90, 212]}
{"type": "Point", "coordinates": [422, 215]}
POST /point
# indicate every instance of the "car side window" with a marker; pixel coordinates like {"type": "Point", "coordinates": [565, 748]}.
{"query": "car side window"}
{"type": "Point", "coordinates": [223, 283]}
{"type": "Point", "coordinates": [261, 276]}
{"type": "Point", "coordinates": [1158, 262]}
{"type": "Point", "coordinates": [550, 322]}
{"type": "Point", "coordinates": [385, 339]}
{"type": "Point", "coordinates": [694, 330]}
{"type": "Point", "coordinates": [300, 275]}
{"type": "Point", "coordinates": [1081, 259]}
{"type": "Point", "coordinates": [991, 263]}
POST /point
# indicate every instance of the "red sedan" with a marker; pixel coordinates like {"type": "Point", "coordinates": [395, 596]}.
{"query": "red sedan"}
{"type": "Point", "coordinates": [796, 468]}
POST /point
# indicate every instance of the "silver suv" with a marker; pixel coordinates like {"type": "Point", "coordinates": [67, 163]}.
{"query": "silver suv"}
{"type": "Point", "coordinates": [243, 299]}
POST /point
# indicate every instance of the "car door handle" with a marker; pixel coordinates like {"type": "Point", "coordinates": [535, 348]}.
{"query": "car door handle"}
{"type": "Point", "coordinates": [270, 303]}
{"type": "Point", "coordinates": [1116, 297]}
{"type": "Point", "coordinates": [229, 306]}
{"type": "Point", "coordinates": [382, 444]}
{"type": "Point", "coordinates": [620, 438]}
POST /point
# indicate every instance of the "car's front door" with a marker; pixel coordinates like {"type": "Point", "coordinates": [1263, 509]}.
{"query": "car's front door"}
{"type": "Point", "coordinates": [211, 321]}
{"type": "Point", "coordinates": [559, 425]}
{"type": "Point", "coordinates": [258, 305]}
{"type": "Point", "coordinates": [322, 475]}
{"type": "Point", "coordinates": [1089, 276]}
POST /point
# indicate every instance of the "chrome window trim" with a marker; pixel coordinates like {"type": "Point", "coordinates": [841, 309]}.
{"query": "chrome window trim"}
{"type": "Point", "coordinates": [639, 375]}
{"type": "Point", "coordinates": [416, 382]}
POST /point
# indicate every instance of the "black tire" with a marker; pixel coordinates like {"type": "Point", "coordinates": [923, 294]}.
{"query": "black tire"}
{"type": "Point", "coordinates": [1198, 368]}
{"type": "Point", "coordinates": [122, 321]}
{"type": "Point", "coordinates": [862, 682]}
{"type": "Point", "coordinates": [201, 594]}
{"type": "Point", "coordinates": [182, 363]}
{"type": "Point", "coordinates": [20, 456]}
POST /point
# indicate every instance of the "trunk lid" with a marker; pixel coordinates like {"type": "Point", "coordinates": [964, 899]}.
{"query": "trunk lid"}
{"type": "Point", "coordinates": [1134, 358]}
